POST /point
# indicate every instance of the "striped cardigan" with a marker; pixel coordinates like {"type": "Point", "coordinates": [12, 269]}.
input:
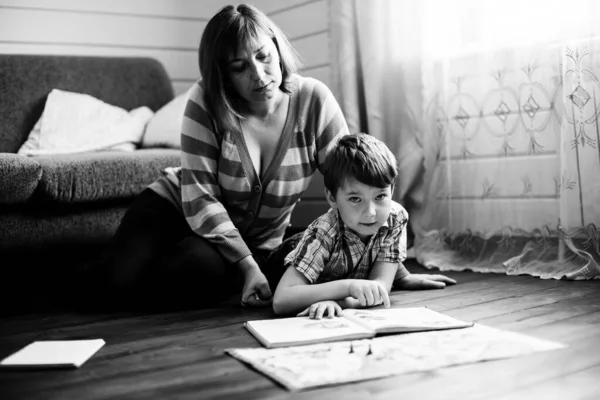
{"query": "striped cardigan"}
{"type": "Point", "coordinates": [219, 192]}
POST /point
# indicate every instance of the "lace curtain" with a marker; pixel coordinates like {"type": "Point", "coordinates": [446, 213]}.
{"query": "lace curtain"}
{"type": "Point", "coordinates": [493, 111]}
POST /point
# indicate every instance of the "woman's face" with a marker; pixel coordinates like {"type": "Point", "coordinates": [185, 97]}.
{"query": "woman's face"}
{"type": "Point", "coordinates": [254, 72]}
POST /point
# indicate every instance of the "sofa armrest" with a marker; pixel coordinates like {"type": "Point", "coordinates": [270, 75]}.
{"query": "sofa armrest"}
{"type": "Point", "coordinates": [19, 177]}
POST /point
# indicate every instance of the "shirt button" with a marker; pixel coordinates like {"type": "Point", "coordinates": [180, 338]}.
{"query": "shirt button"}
{"type": "Point", "coordinates": [257, 188]}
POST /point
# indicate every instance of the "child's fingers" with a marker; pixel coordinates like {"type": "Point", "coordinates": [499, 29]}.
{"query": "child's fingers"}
{"type": "Point", "coordinates": [369, 297]}
{"type": "Point", "coordinates": [385, 297]}
{"type": "Point", "coordinates": [303, 313]}
{"type": "Point", "coordinates": [330, 312]}
{"type": "Point", "coordinates": [445, 279]}
{"type": "Point", "coordinates": [376, 296]}
{"type": "Point", "coordinates": [338, 310]}
{"type": "Point", "coordinates": [320, 311]}
{"type": "Point", "coordinates": [430, 284]}
{"type": "Point", "coordinates": [361, 298]}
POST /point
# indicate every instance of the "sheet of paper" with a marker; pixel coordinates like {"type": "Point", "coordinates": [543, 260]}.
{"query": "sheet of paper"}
{"type": "Point", "coordinates": [324, 364]}
{"type": "Point", "coordinates": [54, 353]}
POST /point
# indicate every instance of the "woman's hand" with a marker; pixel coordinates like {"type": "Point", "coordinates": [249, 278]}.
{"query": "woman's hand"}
{"type": "Point", "coordinates": [423, 282]}
{"type": "Point", "coordinates": [256, 291]}
{"type": "Point", "coordinates": [320, 309]}
{"type": "Point", "coordinates": [369, 293]}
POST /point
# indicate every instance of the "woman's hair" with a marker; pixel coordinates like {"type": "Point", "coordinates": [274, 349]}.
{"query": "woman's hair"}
{"type": "Point", "coordinates": [232, 28]}
{"type": "Point", "coordinates": [360, 157]}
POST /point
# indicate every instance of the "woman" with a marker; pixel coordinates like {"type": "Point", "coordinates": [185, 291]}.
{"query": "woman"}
{"type": "Point", "coordinates": [253, 134]}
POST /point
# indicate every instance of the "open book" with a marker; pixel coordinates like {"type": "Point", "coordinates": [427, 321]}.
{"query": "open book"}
{"type": "Point", "coordinates": [354, 324]}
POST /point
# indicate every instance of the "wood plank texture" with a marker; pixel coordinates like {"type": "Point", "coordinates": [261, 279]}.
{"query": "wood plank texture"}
{"type": "Point", "coordinates": [180, 354]}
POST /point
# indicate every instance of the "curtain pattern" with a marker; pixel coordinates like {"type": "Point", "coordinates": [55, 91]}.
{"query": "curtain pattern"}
{"type": "Point", "coordinates": [499, 146]}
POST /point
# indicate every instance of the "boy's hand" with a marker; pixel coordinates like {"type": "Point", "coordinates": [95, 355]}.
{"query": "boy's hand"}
{"type": "Point", "coordinates": [369, 293]}
{"type": "Point", "coordinates": [320, 309]}
{"type": "Point", "coordinates": [423, 282]}
{"type": "Point", "coordinates": [256, 291]}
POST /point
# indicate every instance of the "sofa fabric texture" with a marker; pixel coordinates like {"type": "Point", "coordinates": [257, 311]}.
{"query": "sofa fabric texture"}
{"type": "Point", "coordinates": [19, 177]}
{"type": "Point", "coordinates": [26, 81]}
{"type": "Point", "coordinates": [98, 176]}
{"type": "Point", "coordinates": [42, 228]}
{"type": "Point", "coordinates": [70, 199]}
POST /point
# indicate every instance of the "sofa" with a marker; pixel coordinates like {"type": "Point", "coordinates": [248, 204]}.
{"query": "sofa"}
{"type": "Point", "coordinates": [68, 202]}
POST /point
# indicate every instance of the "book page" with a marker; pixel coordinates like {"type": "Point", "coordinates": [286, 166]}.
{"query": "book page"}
{"type": "Point", "coordinates": [303, 330]}
{"type": "Point", "coordinates": [404, 319]}
{"type": "Point", "coordinates": [54, 354]}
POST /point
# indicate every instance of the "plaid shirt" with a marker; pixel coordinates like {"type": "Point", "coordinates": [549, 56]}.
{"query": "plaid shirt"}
{"type": "Point", "coordinates": [330, 251]}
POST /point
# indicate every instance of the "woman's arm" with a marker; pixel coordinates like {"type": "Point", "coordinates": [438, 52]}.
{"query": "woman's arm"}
{"type": "Point", "coordinates": [328, 122]}
{"type": "Point", "coordinates": [202, 199]}
{"type": "Point", "coordinates": [200, 190]}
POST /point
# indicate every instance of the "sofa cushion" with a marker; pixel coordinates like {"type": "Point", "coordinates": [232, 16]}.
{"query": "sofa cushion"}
{"type": "Point", "coordinates": [87, 177]}
{"type": "Point", "coordinates": [164, 128]}
{"type": "Point", "coordinates": [19, 176]}
{"type": "Point", "coordinates": [26, 80]}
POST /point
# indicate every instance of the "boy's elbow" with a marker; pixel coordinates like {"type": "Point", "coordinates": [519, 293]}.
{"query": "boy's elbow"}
{"type": "Point", "coordinates": [284, 305]}
{"type": "Point", "coordinates": [279, 304]}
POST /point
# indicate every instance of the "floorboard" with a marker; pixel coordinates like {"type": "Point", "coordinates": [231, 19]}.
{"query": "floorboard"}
{"type": "Point", "coordinates": [180, 354]}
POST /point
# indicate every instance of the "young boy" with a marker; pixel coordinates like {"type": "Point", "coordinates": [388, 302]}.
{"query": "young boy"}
{"type": "Point", "coordinates": [351, 256]}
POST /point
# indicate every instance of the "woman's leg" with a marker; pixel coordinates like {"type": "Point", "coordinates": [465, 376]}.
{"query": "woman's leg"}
{"type": "Point", "coordinates": [273, 268]}
{"type": "Point", "coordinates": [150, 225]}
{"type": "Point", "coordinates": [191, 274]}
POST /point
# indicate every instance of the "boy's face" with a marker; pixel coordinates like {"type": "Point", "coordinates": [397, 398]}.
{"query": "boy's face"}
{"type": "Point", "coordinates": [363, 208]}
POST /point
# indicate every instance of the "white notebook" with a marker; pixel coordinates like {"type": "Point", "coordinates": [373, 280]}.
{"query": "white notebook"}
{"type": "Point", "coordinates": [53, 354]}
{"type": "Point", "coordinates": [354, 324]}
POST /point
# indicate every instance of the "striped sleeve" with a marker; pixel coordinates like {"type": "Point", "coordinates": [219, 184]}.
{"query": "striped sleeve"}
{"type": "Point", "coordinates": [200, 192]}
{"type": "Point", "coordinates": [330, 124]}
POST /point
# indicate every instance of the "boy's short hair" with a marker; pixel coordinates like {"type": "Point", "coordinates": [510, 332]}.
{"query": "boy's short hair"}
{"type": "Point", "coordinates": [361, 157]}
{"type": "Point", "coordinates": [230, 28]}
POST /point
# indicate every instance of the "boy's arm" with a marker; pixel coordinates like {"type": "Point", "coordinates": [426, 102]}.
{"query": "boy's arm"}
{"type": "Point", "coordinates": [294, 292]}
{"type": "Point", "coordinates": [382, 272]}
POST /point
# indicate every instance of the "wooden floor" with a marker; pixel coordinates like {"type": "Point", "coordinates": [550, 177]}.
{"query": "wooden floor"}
{"type": "Point", "coordinates": [180, 354]}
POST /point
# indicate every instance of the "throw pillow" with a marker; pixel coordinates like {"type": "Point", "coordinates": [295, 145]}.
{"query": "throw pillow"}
{"type": "Point", "coordinates": [75, 123]}
{"type": "Point", "coordinates": [164, 129]}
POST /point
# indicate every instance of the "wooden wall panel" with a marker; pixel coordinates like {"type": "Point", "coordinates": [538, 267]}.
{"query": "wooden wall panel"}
{"type": "Point", "coordinates": [186, 9]}
{"type": "Point", "coordinates": [168, 30]}
{"type": "Point", "coordinates": [74, 27]}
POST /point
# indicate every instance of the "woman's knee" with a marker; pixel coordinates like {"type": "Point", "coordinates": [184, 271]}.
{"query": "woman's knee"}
{"type": "Point", "coordinates": [195, 262]}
